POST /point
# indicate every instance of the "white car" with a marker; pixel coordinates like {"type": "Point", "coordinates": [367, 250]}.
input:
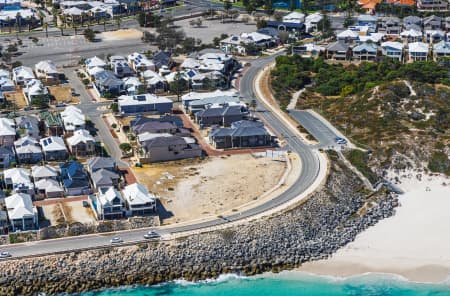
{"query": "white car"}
{"type": "Point", "coordinates": [5, 255]}
{"type": "Point", "coordinates": [151, 234]}
{"type": "Point", "coordinates": [116, 240]}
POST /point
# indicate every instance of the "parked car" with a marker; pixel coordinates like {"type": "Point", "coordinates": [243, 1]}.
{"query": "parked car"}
{"type": "Point", "coordinates": [5, 255]}
{"type": "Point", "coordinates": [85, 204]}
{"type": "Point", "coordinates": [73, 93]}
{"type": "Point", "coordinates": [151, 234]}
{"type": "Point", "coordinates": [61, 104]}
{"type": "Point", "coordinates": [28, 108]}
{"type": "Point", "coordinates": [340, 141]}
{"type": "Point", "coordinates": [116, 240]}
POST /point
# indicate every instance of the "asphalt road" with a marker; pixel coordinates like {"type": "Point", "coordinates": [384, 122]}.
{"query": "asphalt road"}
{"type": "Point", "coordinates": [310, 165]}
{"type": "Point", "coordinates": [315, 127]}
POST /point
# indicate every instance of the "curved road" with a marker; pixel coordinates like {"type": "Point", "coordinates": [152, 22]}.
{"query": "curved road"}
{"type": "Point", "coordinates": [310, 165]}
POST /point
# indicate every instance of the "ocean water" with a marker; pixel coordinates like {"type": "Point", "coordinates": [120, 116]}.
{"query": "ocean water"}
{"type": "Point", "coordinates": [289, 283]}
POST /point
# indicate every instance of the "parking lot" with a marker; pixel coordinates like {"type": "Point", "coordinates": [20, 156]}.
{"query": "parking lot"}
{"type": "Point", "coordinates": [210, 29]}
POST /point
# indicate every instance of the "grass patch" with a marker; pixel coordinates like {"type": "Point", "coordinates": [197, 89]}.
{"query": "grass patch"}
{"type": "Point", "coordinates": [359, 159]}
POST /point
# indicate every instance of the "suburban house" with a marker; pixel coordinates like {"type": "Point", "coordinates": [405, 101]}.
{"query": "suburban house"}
{"type": "Point", "coordinates": [52, 124]}
{"type": "Point", "coordinates": [365, 52]}
{"type": "Point", "coordinates": [166, 147]}
{"type": "Point", "coordinates": [412, 20]}
{"type": "Point", "coordinates": [411, 35]}
{"type": "Point", "coordinates": [44, 172]}
{"type": "Point", "coordinates": [28, 150]}
{"type": "Point", "coordinates": [35, 90]}
{"type": "Point", "coordinates": [241, 134]}
{"type": "Point", "coordinates": [368, 20]}
{"type": "Point", "coordinates": [205, 103]}
{"type": "Point", "coordinates": [144, 103]}
{"type": "Point", "coordinates": [81, 143]}
{"type": "Point", "coordinates": [28, 125]}
{"type": "Point", "coordinates": [161, 59]}
{"type": "Point", "coordinates": [96, 163]}
{"type": "Point", "coordinates": [338, 50]}
{"type": "Point", "coordinates": [392, 50]}
{"type": "Point", "coordinates": [237, 44]}
{"type": "Point", "coordinates": [109, 204]}
{"type": "Point", "coordinates": [418, 51]}
{"type": "Point", "coordinates": [220, 115]}
{"type": "Point", "coordinates": [49, 188]}
{"type": "Point", "coordinates": [22, 74]}
{"type": "Point", "coordinates": [216, 61]}
{"type": "Point", "coordinates": [5, 74]}
{"type": "Point", "coordinates": [54, 148]}
{"type": "Point", "coordinates": [18, 180]}
{"type": "Point", "coordinates": [440, 50]}
{"type": "Point", "coordinates": [107, 84]}
{"type": "Point", "coordinates": [21, 212]}
{"type": "Point", "coordinates": [94, 65]}
{"type": "Point", "coordinates": [432, 22]}
{"type": "Point", "coordinates": [434, 36]}
{"type": "Point", "coordinates": [138, 200]}
{"type": "Point", "coordinates": [47, 72]}
{"type": "Point", "coordinates": [6, 157]}
{"type": "Point", "coordinates": [104, 178]}
{"type": "Point", "coordinates": [155, 126]}
{"type": "Point", "coordinates": [73, 119]}
{"type": "Point", "coordinates": [7, 84]}
{"type": "Point", "coordinates": [437, 5]}
{"type": "Point", "coordinates": [294, 17]}
{"type": "Point", "coordinates": [74, 178]}
{"type": "Point", "coordinates": [154, 81]}
{"type": "Point", "coordinates": [311, 22]}
{"type": "Point", "coordinates": [192, 96]}
{"type": "Point", "coordinates": [347, 36]}
{"type": "Point", "coordinates": [140, 63]}
{"type": "Point", "coordinates": [133, 86]}
{"type": "Point", "coordinates": [308, 50]}
{"type": "Point", "coordinates": [120, 67]}
{"type": "Point", "coordinates": [390, 25]}
{"type": "Point", "coordinates": [7, 131]}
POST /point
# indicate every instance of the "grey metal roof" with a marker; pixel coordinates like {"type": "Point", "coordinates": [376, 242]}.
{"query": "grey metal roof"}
{"type": "Point", "coordinates": [164, 141]}
{"type": "Point", "coordinates": [339, 45]}
{"type": "Point", "coordinates": [153, 125]}
{"type": "Point", "coordinates": [247, 123]}
{"type": "Point", "coordinates": [103, 177]}
{"type": "Point", "coordinates": [97, 163]}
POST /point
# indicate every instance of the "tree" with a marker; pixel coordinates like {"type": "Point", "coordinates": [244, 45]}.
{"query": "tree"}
{"type": "Point", "coordinates": [125, 147]}
{"type": "Point", "coordinates": [268, 7]}
{"type": "Point", "coordinates": [178, 85]}
{"type": "Point", "coordinates": [18, 21]}
{"type": "Point", "coordinates": [278, 16]}
{"type": "Point", "coordinates": [89, 34]}
{"type": "Point", "coordinates": [45, 26]}
{"type": "Point", "coordinates": [284, 36]}
{"type": "Point", "coordinates": [148, 37]}
{"type": "Point", "coordinates": [227, 5]}
{"type": "Point", "coordinates": [261, 24]}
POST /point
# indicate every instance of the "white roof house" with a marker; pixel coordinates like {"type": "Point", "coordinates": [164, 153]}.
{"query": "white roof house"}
{"type": "Point", "coordinates": [95, 70]}
{"type": "Point", "coordinates": [190, 63]}
{"type": "Point", "coordinates": [44, 172]}
{"type": "Point", "coordinates": [19, 179]}
{"type": "Point", "coordinates": [312, 20]}
{"type": "Point", "coordinates": [411, 35]}
{"type": "Point", "coordinates": [7, 127]}
{"type": "Point", "coordinates": [34, 88]}
{"type": "Point", "coordinates": [22, 74]}
{"type": "Point", "coordinates": [392, 44]}
{"type": "Point", "coordinates": [20, 208]}
{"type": "Point", "coordinates": [132, 85]}
{"type": "Point", "coordinates": [145, 99]}
{"type": "Point", "coordinates": [418, 51]}
{"type": "Point", "coordinates": [139, 62]}
{"type": "Point", "coordinates": [7, 84]}
{"type": "Point", "coordinates": [50, 187]}
{"type": "Point", "coordinates": [294, 17]}
{"type": "Point", "coordinates": [73, 11]}
{"type": "Point", "coordinates": [374, 37]}
{"type": "Point", "coordinates": [73, 118]}
{"type": "Point", "coordinates": [4, 74]}
{"type": "Point", "coordinates": [45, 68]}
{"type": "Point", "coordinates": [138, 199]}
{"type": "Point", "coordinates": [80, 136]}
{"type": "Point", "coordinates": [53, 144]}
{"type": "Point", "coordinates": [95, 62]}
{"type": "Point", "coordinates": [348, 34]}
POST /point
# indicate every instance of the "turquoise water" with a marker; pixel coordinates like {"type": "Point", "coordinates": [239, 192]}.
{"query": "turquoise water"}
{"type": "Point", "coordinates": [288, 284]}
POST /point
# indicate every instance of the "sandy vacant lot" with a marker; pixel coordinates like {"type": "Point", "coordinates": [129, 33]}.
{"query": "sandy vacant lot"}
{"type": "Point", "coordinates": [121, 35]}
{"type": "Point", "coordinates": [194, 189]}
{"type": "Point", "coordinates": [62, 94]}
{"type": "Point", "coordinates": [17, 98]}
{"type": "Point", "coordinates": [73, 211]}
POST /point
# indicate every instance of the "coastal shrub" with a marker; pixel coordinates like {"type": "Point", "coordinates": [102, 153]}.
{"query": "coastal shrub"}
{"type": "Point", "coordinates": [359, 159]}
{"type": "Point", "coordinates": [439, 163]}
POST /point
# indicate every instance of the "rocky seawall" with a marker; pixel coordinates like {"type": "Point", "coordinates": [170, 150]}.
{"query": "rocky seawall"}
{"type": "Point", "coordinates": [329, 220]}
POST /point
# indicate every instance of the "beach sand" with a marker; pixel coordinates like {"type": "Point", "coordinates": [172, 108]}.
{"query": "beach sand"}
{"type": "Point", "coordinates": [414, 243]}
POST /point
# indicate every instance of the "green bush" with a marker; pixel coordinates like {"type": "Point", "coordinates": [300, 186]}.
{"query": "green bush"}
{"type": "Point", "coordinates": [359, 160]}
{"type": "Point", "coordinates": [439, 163]}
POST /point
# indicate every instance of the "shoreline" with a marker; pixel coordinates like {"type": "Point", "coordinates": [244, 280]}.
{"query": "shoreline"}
{"type": "Point", "coordinates": [412, 243]}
